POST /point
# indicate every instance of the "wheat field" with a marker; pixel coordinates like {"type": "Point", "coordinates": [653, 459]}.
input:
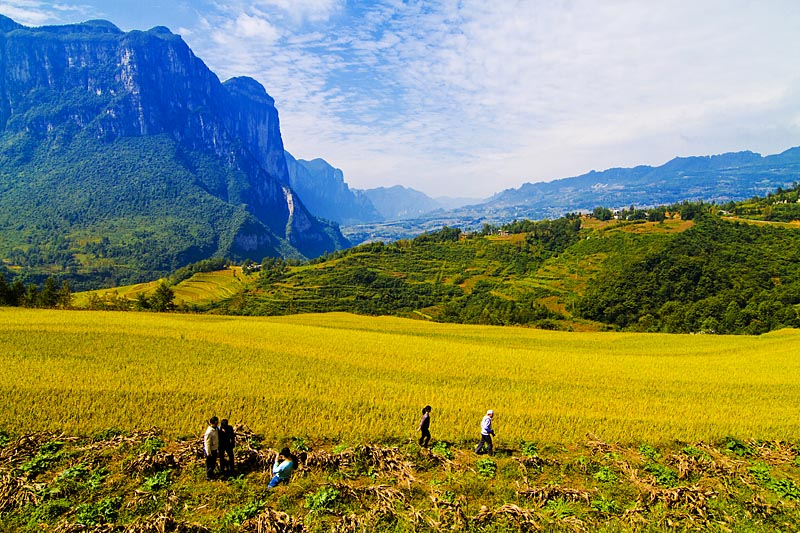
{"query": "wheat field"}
{"type": "Point", "coordinates": [354, 378]}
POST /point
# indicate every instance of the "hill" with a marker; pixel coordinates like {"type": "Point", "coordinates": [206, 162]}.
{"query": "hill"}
{"type": "Point", "coordinates": [697, 270]}
{"type": "Point", "coordinates": [688, 268]}
{"type": "Point", "coordinates": [123, 158]}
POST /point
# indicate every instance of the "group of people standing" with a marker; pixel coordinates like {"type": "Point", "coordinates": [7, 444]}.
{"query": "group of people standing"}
{"type": "Point", "coordinates": [220, 439]}
{"type": "Point", "coordinates": [486, 431]}
{"type": "Point", "coordinates": [218, 443]}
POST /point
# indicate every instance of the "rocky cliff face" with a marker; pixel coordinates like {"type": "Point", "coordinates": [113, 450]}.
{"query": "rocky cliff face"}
{"type": "Point", "coordinates": [95, 79]}
{"type": "Point", "coordinates": [325, 193]}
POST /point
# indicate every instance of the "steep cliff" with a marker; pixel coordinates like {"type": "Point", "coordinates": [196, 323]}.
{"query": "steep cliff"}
{"type": "Point", "coordinates": [325, 193]}
{"type": "Point", "coordinates": [82, 107]}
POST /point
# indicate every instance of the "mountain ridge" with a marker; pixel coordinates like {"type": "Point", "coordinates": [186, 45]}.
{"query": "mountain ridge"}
{"type": "Point", "coordinates": [67, 92]}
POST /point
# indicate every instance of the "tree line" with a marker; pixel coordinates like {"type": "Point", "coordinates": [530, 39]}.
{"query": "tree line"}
{"type": "Point", "coordinates": [51, 295]}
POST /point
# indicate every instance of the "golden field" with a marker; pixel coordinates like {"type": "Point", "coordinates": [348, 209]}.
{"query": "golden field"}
{"type": "Point", "coordinates": [355, 378]}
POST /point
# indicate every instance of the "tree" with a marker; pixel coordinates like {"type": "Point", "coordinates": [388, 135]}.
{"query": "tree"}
{"type": "Point", "coordinates": [48, 297]}
{"type": "Point", "coordinates": [64, 296]}
{"type": "Point", "coordinates": [162, 299]}
{"type": "Point", "coordinates": [602, 213]}
{"type": "Point", "coordinates": [5, 291]}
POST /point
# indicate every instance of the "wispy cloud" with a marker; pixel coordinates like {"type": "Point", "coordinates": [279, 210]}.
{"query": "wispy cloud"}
{"type": "Point", "coordinates": [486, 95]}
{"type": "Point", "coordinates": [40, 12]}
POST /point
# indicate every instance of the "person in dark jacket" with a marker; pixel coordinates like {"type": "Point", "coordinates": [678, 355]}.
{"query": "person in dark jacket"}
{"type": "Point", "coordinates": [424, 427]}
{"type": "Point", "coordinates": [227, 441]}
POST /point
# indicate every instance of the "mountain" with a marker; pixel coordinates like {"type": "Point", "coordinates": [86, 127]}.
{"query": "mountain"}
{"type": "Point", "coordinates": [720, 178]}
{"type": "Point", "coordinates": [123, 156]}
{"type": "Point", "coordinates": [400, 203]}
{"type": "Point", "coordinates": [325, 193]}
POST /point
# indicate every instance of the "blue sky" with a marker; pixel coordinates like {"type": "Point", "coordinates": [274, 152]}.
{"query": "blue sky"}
{"type": "Point", "coordinates": [470, 97]}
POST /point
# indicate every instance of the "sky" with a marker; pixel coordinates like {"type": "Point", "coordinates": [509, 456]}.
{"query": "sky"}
{"type": "Point", "coordinates": [466, 98]}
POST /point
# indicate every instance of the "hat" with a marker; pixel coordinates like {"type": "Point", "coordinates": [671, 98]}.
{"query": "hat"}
{"type": "Point", "coordinates": [489, 412]}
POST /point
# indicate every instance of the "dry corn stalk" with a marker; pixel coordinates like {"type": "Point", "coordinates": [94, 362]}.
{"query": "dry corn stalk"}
{"type": "Point", "coordinates": [451, 513]}
{"type": "Point", "coordinates": [272, 521]}
{"type": "Point", "coordinates": [16, 492]}
{"type": "Point", "coordinates": [552, 492]}
{"type": "Point", "coordinates": [526, 519]}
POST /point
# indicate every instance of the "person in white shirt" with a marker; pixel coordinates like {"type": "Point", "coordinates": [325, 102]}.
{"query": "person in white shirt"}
{"type": "Point", "coordinates": [486, 434]}
{"type": "Point", "coordinates": [211, 446]}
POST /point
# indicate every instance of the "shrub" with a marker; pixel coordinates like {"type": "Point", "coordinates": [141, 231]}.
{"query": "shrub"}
{"type": "Point", "coordinates": [236, 517]}
{"type": "Point", "coordinates": [322, 500]}
{"type": "Point", "coordinates": [734, 445]}
{"type": "Point", "coordinates": [104, 511]}
{"type": "Point", "coordinates": [649, 452]}
{"type": "Point", "coordinates": [153, 445]}
{"type": "Point", "coordinates": [442, 449]}
{"type": "Point", "coordinates": [664, 475]}
{"type": "Point", "coordinates": [158, 481]}
{"type": "Point", "coordinates": [604, 506]}
{"type": "Point", "coordinates": [486, 467]}
{"type": "Point", "coordinates": [605, 475]}
{"type": "Point", "coordinates": [530, 449]}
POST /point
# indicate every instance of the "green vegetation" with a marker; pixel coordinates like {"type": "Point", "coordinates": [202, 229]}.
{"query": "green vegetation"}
{"type": "Point", "coordinates": [102, 483]}
{"type": "Point", "coordinates": [716, 277]}
{"type": "Point", "coordinates": [676, 269]}
{"type": "Point", "coordinates": [684, 268]}
{"type": "Point", "coordinates": [104, 214]}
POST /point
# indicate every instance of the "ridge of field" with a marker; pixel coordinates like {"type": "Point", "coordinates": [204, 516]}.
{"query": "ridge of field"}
{"type": "Point", "coordinates": [202, 288]}
{"type": "Point", "coordinates": [340, 376]}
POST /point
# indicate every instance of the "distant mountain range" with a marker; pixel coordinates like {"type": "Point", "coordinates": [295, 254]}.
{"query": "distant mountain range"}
{"type": "Point", "coordinates": [123, 157]}
{"type": "Point", "coordinates": [719, 179]}
{"type": "Point", "coordinates": [325, 193]}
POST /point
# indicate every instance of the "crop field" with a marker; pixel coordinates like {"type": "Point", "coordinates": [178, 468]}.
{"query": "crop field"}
{"type": "Point", "coordinates": [359, 379]}
{"type": "Point", "coordinates": [202, 288]}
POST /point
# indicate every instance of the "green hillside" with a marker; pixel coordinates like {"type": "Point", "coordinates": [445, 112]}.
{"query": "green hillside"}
{"type": "Point", "coordinates": [688, 268]}
{"type": "Point", "coordinates": [150, 213]}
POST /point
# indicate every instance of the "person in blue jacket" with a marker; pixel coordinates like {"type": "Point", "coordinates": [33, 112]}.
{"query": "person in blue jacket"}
{"type": "Point", "coordinates": [285, 464]}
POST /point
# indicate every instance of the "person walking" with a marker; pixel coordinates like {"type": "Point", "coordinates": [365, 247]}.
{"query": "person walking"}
{"type": "Point", "coordinates": [283, 468]}
{"type": "Point", "coordinates": [486, 434]}
{"type": "Point", "coordinates": [211, 446]}
{"type": "Point", "coordinates": [424, 427]}
{"type": "Point", "coordinates": [227, 441]}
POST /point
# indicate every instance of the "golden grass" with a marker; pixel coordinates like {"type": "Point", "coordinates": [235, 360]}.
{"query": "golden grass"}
{"type": "Point", "coordinates": [362, 378]}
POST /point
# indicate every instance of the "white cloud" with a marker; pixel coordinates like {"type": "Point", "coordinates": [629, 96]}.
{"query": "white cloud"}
{"type": "Point", "coordinates": [39, 12]}
{"type": "Point", "coordinates": [313, 10]}
{"type": "Point", "coordinates": [487, 95]}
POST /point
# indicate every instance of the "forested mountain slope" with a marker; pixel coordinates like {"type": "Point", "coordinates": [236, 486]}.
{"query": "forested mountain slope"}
{"type": "Point", "coordinates": [123, 157]}
{"type": "Point", "coordinates": [689, 268]}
